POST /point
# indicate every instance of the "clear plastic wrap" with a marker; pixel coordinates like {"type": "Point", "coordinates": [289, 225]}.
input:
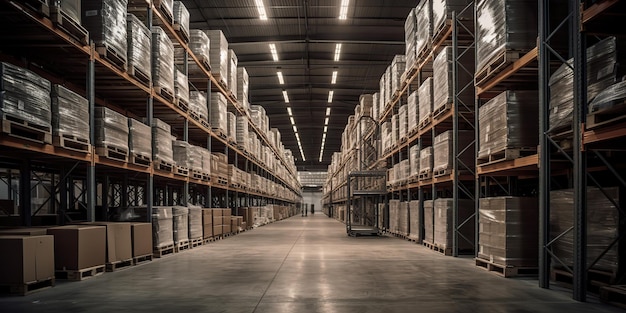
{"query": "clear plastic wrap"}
{"type": "Point", "coordinates": [366, 102]}
{"type": "Point", "coordinates": [70, 113]}
{"type": "Point", "coordinates": [162, 136]}
{"type": "Point", "coordinates": [382, 96]}
{"type": "Point", "coordinates": [443, 149]}
{"type": "Point", "coordinates": [181, 224]}
{"type": "Point", "coordinates": [140, 138]}
{"type": "Point", "coordinates": [70, 7]}
{"type": "Point", "coordinates": [398, 65]}
{"type": "Point", "coordinates": [425, 102]}
{"type": "Point", "coordinates": [429, 226]}
{"type": "Point", "coordinates": [388, 91]}
{"type": "Point", "coordinates": [603, 226]}
{"type": "Point", "coordinates": [508, 121]}
{"type": "Point", "coordinates": [376, 106]}
{"type": "Point", "coordinates": [199, 43]}
{"type": "Point", "coordinates": [426, 160]}
{"type": "Point", "coordinates": [508, 231]}
{"type": "Point", "coordinates": [504, 25]}
{"type": "Point", "coordinates": [424, 28]}
{"type": "Point", "coordinates": [181, 86]}
{"type": "Point", "coordinates": [394, 208]}
{"type": "Point", "coordinates": [162, 60]}
{"type": "Point", "coordinates": [243, 84]}
{"type": "Point", "coordinates": [206, 160]}
{"type": "Point", "coordinates": [198, 105]}
{"type": "Point", "coordinates": [442, 12]}
{"type": "Point", "coordinates": [443, 79]}
{"type": "Point", "coordinates": [184, 156]}
{"type": "Point", "coordinates": [218, 112]}
{"type": "Point", "coordinates": [403, 122]}
{"type": "Point", "coordinates": [139, 45]}
{"type": "Point", "coordinates": [403, 218]}
{"type": "Point", "coordinates": [162, 227]}
{"type": "Point", "coordinates": [181, 16]}
{"type": "Point", "coordinates": [167, 6]}
{"type": "Point", "coordinates": [232, 72]}
{"type": "Point", "coordinates": [414, 220]}
{"type": "Point", "coordinates": [395, 131]}
{"type": "Point", "coordinates": [25, 95]}
{"type": "Point", "coordinates": [195, 222]}
{"type": "Point", "coordinates": [242, 132]}
{"type": "Point", "coordinates": [444, 228]}
{"type": "Point", "coordinates": [412, 112]}
{"type": "Point", "coordinates": [219, 54]}
{"type": "Point", "coordinates": [231, 126]}
{"type": "Point", "coordinates": [410, 27]}
{"type": "Point", "coordinates": [611, 97]}
{"type": "Point", "coordinates": [106, 22]}
{"type": "Point", "coordinates": [111, 129]}
{"type": "Point", "coordinates": [414, 161]}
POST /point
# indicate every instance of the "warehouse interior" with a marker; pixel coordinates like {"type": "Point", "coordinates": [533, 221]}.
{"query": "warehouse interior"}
{"type": "Point", "coordinates": [312, 156]}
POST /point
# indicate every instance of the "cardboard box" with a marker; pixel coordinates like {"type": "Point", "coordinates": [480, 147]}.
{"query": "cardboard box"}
{"type": "Point", "coordinates": [141, 234]}
{"type": "Point", "coordinates": [226, 212]}
{"type": "Point", "coordinates": [207, 231]}
{"type": "Point", "coordinates": [226, 229]}
{"type": "Point", "coordinates": [31, 259]}
{"type": "Point", "coordinates": [24, 231]}
{"type": "Point", "coordinates": [79, 247]}
{"type": "Point", "coordinates": [118, 241]}
{"type": "Point", "coordinates": [217, 230]}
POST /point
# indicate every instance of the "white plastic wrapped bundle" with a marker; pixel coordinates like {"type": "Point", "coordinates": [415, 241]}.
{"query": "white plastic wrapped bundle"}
{"type": "Point", "coordinates": [394, 208]}
{"type": "Point", "coordinates": [162, 60]}
{"type": "Point", "coordinates": [275, 133]}
{"type": "Point", "coordinates": [111, 129]}
{"type": "Point", "coordinates": [508, 121]}
{"type": "Point", "coordinates": [231, 126]}
{"type": "Point", "coordinates": [405, 169]}
{"type": "Point", "coordinates": [376, 106]}
{"type": "Point", "coordinates": [443, 79]}
{"type": "Point", "coordinates": [195, 222]}
{"type": "Point", "coordinates": [414, 220]}
{"type": "Point", "coordinates": [218, 112]}
{"type": "Point", "coordinates": [444, 228]}
{"type": "Point", "coordinates": [70, 113]}
{"type": "Point", "coordinates": [106, 22]}
{"type": "Point", "coordinates": [166, 5]}
{"type": "Point", "coordinates": [403, 218]}
{"type": "Point", "coordinates": [395, 132]}
{"type": "Point", "coordinates": [140, 138]}
{"type": "Point", "coordinates": [162, 136]}
{"type": "Point", "coordinates": [442, 12]}
{"type": "Point", "coordinates": [206, 160]}
{"type": "Point", "coordinates": [181, 87]}
{"type": "Point", "coordinates": [365, 102]}
{"type": "Point", "coordinates": [232, 72]}
{"type": "Point", "coordinates": [184, 156]}
{"type": "Point", "coordinates": [243, 81]}
{"type": "Point", "coordinates": [425, 104]}
{"type": "Point", "coordinates": [70, 7]}
{"type": "Point", "coordinates": [424, 32]}
{"type": "Point", "coordinates": [414, 160]}
{"type": "Point", "coordinates": [398, 66]}
{"type": "Point", "coordinates": [198, 105]}
{"type": "Point", "coordinates": [219, 55]}
{"type": "Point", "coordinates": [162, 227]}
{"type": "Point", "coordinates": [429, 226]}
{"type": "Point", "coordinates": [181, 224]}
{"type": "Point", "coordinates": [403, 121]}
{"type": "Point", "coordinates": [508, 230]}
{"type": "Point", "coordinates": [388, 90]}
{"type": "Point", "coordinates": [426, 160]}
{"type": "Point", "coordinates": [611, 97]}
{"type": "Point", "coordinates": [26, 95]}
{"type": "Point", "coordinates": [443, 149]}
{"type": "Point", "coordinates": [382, 97]}
{"type": "Point", "coordinates": [181, 17]}
{"type": "Point", "coordinates": [412, 112]}
{"type": "Point", "coordinates": [199, 43]}
{"type": "Point", "coordinates": [504, 25]}
{"type": "Point", "coordinates": [410, 36]}
{"type": "Point", "coordinates": [385, 130]}
{"type": "Point", "coordinates": [139, 45]}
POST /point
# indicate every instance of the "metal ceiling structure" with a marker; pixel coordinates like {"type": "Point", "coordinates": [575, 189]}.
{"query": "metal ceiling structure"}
{"type": "Point", "coordinates": [306, 33]}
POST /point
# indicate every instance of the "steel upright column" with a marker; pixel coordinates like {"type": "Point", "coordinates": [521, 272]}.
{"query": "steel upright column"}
{"type": "Point", "coordinates": [91, 169]}
{"type": "Point", "coordinates": [150, 114]}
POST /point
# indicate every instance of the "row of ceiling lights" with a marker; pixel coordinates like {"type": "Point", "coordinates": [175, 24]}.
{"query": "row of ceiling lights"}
{"type": "Point", "coordinates": [343, 14]}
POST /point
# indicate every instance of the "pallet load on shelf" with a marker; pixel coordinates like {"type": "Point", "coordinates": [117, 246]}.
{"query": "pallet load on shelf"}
{"type": "Point", "coordinates": [443, 81]}
{"type": "Point", "coordinates": [426, 163]}
{"type": "Point", "coordinates": [443, 152]}
{"type": "Point", "coordinates": [414, 162]}
{"type": "Point", "coordinates": [258, 115]}
{"type": "Point", "coordinates": [403, 122]}
{"type": "Point", "coordinates": [162, 230]}
{"type": "Point", "coordinates": [166, 7]}
{"type": "Point", "coordinates": [442, 14]}
{"type": "Point", "coordinates": [395, 131]}
{"type": "Point", "coordinates": [162, 63]}
{"type": "Point", "coordinates": [424, 33]}
{"type": "Point", "coordinates": [506, 125]}
{"type": "Point", "coordinates": [207, 224]}
{"type": "Point", "coordinates": [242, 137]}
{"type": "Point", "coordinates": [70, 119]}
{"type": "Point", "coordinates": [218, 117]}
{"type": "Point", "coordinates": [79, 250]}
{"type": "Point", "coordinates": [384, 95]}
{"type": "Point", "coordinates": [410, 36]}
{"type": "Point", "coordinates": [604, 228]}
{"type": "Point", "coordinates": [219, 167]}
{"type": "Point", "coordinates": [505, 31]}
{"type": "Point", "coordinates": [508, 231]}
{"type": "Point", "coordinates": [232, 73]}
{"type": "Point", "coordinates": [206, 163]}
{"type": "Point", "coordinates": [608, 104]}
{"type": "Point", "coordinates": [119, 252]}
{"type": "Point", "coordinates": [403, 218]}
{"type": "Point", "coordinates": [425, 103]}
{"type": "Point", "coordinates": [180, 219]}
{"type": "Point", "coordinates": [185, 158]}
{"type": "Point", "coordinates": [25, 104]}
{"type": "Point", "coordinates": [243, 81]}
{"type": "Point", "coordinates": [444, 228]}
{"type": "Point", "coordinates": [226, 217]}
{"type": "Point", "coordinates": [111, 137]}
{"type": "Point", "coordinates": [30, 263]}
{"type": "Point", "coordinates": [398, 65]}
{"type": "Point", "coordinates": [429, 226]}
{"type": "Point", "coordinates": [376, 106]}
{"type": "Point", "coordinates": [602, 71]}
{"type": "Point", "coordinates": [139, 142]}
{"type": "Point", "coordinates": [414, 220]}
{"type": "Point", "coordinates": [162, 142]}
{"type": "Point", "coordinates": [275, 133]}
{"type": "Point", "coordinates": [195, 224]}
{"type": "Point", "coordinates": [412, 113]}
{"type": "Point", "coordinates": [181, 19]}
{"type": "Point", "coordinates": [198, 109]}
{"type": "Point", "coordinates": [218, 55]}
{"type": "Point", "coordinates": [139, 46]}
{"type": "Point", "coordinates": [181, 90]}
{"type": "Point", "coordinates": [106, 22]}
{"type": "Point", "coordinates": [394, 211]}
{"type": "Point", "coordinates": [231, 127]}
{"type": "Point", "coordinates": [199, 45]}
{"type": "Point", "coordinates": [67, 8]}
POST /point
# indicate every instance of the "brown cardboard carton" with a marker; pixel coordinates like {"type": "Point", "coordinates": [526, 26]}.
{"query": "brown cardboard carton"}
{"type": "Point", "coordinates": [207, 231]}
{"type": "Point", "coordinates": [226, 212]}
{"type": "Point", "coordinates": [31, 259]}
{"type": "Point", "coordinates": [79, 247]}
{"type": "Point", "coordinates": [217, 230]}
{"type": "Point", "coordinates": [24, 231]}
{"type": "Point", "coordinates": [217, 212]}
{"type": "Point", "coordinates": [119, 243]}
{"type": "Point", "coordinates": [207, 216]}
{"type": "Point", "coordinates": [141, 234]}
{"type": "Point", "coordinates": [226, 229]}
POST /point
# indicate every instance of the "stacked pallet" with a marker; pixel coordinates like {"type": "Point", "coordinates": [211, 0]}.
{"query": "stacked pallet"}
{"type": "Point", "coordinates": [196, 226]}
{"type": "Point", "coordinates": [139, 47]}
{"type": "Point", "coordinates": [243, 84]}
{"type": "Point", "coordinates": [111, 138]}
{"type": "Point", "coordinates": [443, 148]}
{"type": "Point", "coordinates": [162, 231]}
{"type": "Point", "coordinates": [181, 90]}
{"type": "Point", "coordinates": [424, 30]}
{"type": "Point", "coordinates": [198, 109]}
{"type": "Point", "coordinates": [199, 45]}
{"type": "Point", "coordinates": [106, 22]}
{"type": "Point", "coordinates": [232, 73]}
{"type": "Point", "coordinates": [70, 119]}
{"type": "Point", "coordinates": [231, 127]}
{"type": "Point", "coordinates": [398, 65]}
{"type": "Point", "coordinates": [181, 20]}
{"type": "Point", "coordinates": [162, 143]}
{"type": "Point", "coordinates": [218, 56]}
{"type": "Point", "coordinates": [410, 36]}
{"type": "Point", "coordinates": [139, 142]}
{"type": "Point", "coordinates": [218, 117]}
{"type": "Point", "coordinates": [412, 113]}
{"type": "Point", "coordinates": [162, 64]}
{"type": "Point", "coordinates": [444, 227]}
{"type": "Point", "coordinates": [425, 104]}
{"type": "Point", "coordinates": [443, 81]}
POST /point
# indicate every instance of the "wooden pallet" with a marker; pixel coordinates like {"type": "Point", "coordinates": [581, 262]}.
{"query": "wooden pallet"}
{"type": "Point", "coordinates": [425, 175]}
{"type": "Point", "coordinates": [142, 259]}
{"type": "Point", "coordinates": [596, 279]}
{"type": "Point", "coordinates": [26, 288]}
{"type": "Point", "coordinates": [506, 270]}
{"type": "Point", "coordinates": [220, 133]}
{"type": "Point", "coordinates": [117, 59]}
{"type": "Point", "coordinates": [139, 75]}
{"type": "Point", "coordinates": [163, 251]}
{"type": "Point", "coordinates": [139, 159]}
{"type": "Point", "coordinates": [70, 142]}
{"type": "Point", "coordinates": [181, 246]}
{"type": "Point", "coordinates": [221, 180]}
{"type": "Point", "coordinates": [167, 15]}
{"type": "Point", "coordinates": [182, 171]}
{"type": "Point", "coordinates": [442, 31]}
{"type": "Point", "coordinates": [78, 275]}
{"type": "Point", "coordinates": [194, 243]}
{"type": "Point", "coordinates": [434, 247]}
{"type": "Point", "coordinates": [421, 56]}
{"type": "Point", "coordinates": [425, 122]}
{"type": "Point", "coordinates": [165, 93]}
{"type": "Point", "coordinates": [441, 110]}
{"type": "Point", "coordinates": [615, 295]}
{"type": "Point", "coordinates": [196, 175]}
{"type": "Point", "coordinates": [505, 155]}
{"type": "Point", "coordinates": [114, 153]}
{"type": "Point", "coordinates": [20, 128]}
{"type": "Point", "coordinates": [163, 165]}
{"type": "Point", "coordinates": [442, 172]}
{"type": "Point", "coordinates": [119, 265]}
{"type": "Point", "coordinates": [182, 104]}
{"type": "Point", "coordinates": [200, 118]}
{"type": "Point", "coordinates": [496, 65]}
{"type": "Point", "coordinates": [208, 240]}
{"type": "Point", "coordinates": [606, 117]}
{"type": "Point", "coordinates": [181, 31]}
{"type": "Point", "coordinates": [63, 21]}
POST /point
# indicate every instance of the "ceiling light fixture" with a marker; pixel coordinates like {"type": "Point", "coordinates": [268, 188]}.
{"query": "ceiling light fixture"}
{"type": "Point", "coordinates": [343, 11]}
{"type": "Point", "coordinates": [330, 96]}
{"type": "Point", "coordinates": [327, 111]}
{"type": "Point", "coordinates": [281, 80]}
{"type": "Point", "coordinates": [286, 96]}
{"type": "Point", "coordinates": [325, 131]}
{"type": "Point", "coordinates": [326, 121]}
{"type": "Point", "coordinates": [337, 52]}
{"type": "Point", "coordinates": [292, 121]}
{"type": "Point", "coordinates": [261, 7]}
{"type": "Point", "coordinates": [274, 51]}
{"type": "Point", "coordinates": [333, 80]}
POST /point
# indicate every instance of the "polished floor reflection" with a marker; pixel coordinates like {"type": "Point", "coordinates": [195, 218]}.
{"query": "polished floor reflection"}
{"type": "Point", "coordinates": [303, 264]}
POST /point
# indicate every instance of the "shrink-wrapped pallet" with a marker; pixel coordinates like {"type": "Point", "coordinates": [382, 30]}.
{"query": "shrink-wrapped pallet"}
{"type": "Point", "coordinates": [508, 121]}
{"type": "Point", "coordinates": [232, 72]}
{"type": "Point", "coordinates": [206, 161]}
{"type": "Point", "coordinates": [442, 13]}
{"type": "Point", "coordinates": [139, 139]}
{"type": "Point", "coordinates": [181, 88]}
{"type": "Point", "coordinates": [425, 102]}
{"type": "Point", "coordinates": [218, 112]}
{"type": "Point", "coordinates": [199, 44]}
{"type": "Point", "coordinates": [162, 227]}
{"type": "Point", "coordinates": [382, 93]}
{"type": "Point", "coordinates": [376, 106]}
{"type": "Point", "coordinates": [611, 97]}
{"type": "Point", "coordinates": [397, 69]}
{"type": "Point", "coordinates": [166, 5]}
{"type": "Point", "coordinates": [504, 26]}
{"type": "Point", "coordinates": [414, 220]}
{"type": "Point", "coordinates": [412, 112]}
{"type": "Point", "coordinates": [410, 36]}
{"type": "Point", "coordinates": [71, 8]}
{"type": "Point", "coordinates": [426, 161]}
{"type": "Point", "coordinates": [424, 33]}
{"type": "Point", "coordinates": [443, 151]}
{"type": "Point", "coordinates": [243, 84]}
{"type": "Point", "coordinates": [162, 60]}
{"type": "Point", "coordinates": [139, 44]}
{"type": "Point", "coordinates": [403, 122]}
{"type": "Point", "coordinates": [443, 80]}
{"type": "Point", "coordinates": [242, 132]}
{"type": "Point", "coordinates": [444, 226]}
{"type": "Point", "coordinates": [163, 139]}
{"type": "Point", "coordinates": [231, 124]}
{"type": "Point", "coordinates": [184, 156]}
{"type": "Point", "coordinates": [414, 161]}
{"type": "Point", "coordinates": [429, 226]}
{"type": "Point", "coordinates": [181, 17]}
{"type": "Point", "coordinates": [366, 102]}
{"type": "Point", "coordinates": [70, 114]}
{"type": "Point", "coordinates": [195, 222]}
{"type": "Point", "coordinates": [403, 218]}
{"type": "Point", "coordinates": [218, 55]}
{"type": "Point", "coordinates": [603, 227]}
{"type": "Point", "coordinates": [508, 231]}
{"type": "Point", "coordinates": [181, 224]}
{"type": "Point", "coordinates": [111, 130]}
{"type": "Point", "coordinates": [106, 22]}
{"type": "Point", "coordinates": [198, 105]}
{"type": "Point", "coordinates": [25, 96]}
{"type": "Point", "coordinates": [395, 131]}
{"type": "Point", "coordinates": [394, 208]}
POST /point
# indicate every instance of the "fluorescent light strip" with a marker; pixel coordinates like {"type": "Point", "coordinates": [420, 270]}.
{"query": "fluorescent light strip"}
{"type": "Point", "coordinates": [286, 96]}
{"type": "Point", "coordinates": [327, 111]}
{"type": "Point", "coordinates": [289, 111]}
{"type": "Point", "coordinates": [330, 96]}
{"type": "Point", "coordinates": [274, 51]}
{"type": "Point", "coordinates": [261, 7]}
{"type": "Point", "coordinates": [325, 130]}
{"type": "Point", "coordinates": [333, 80]}
{"type": "Point", "coordinates": [326, 121]}
{"type": "Point", "coordinates": [281, 80]}
{"type": "Point", "coordinates": [292, 121]}
{"type": "Point", "coordinates": [295, 130]}
{"type": "Point", "coordinates": [337, 51]}
{"type": "Point", "coordinates": [343, 11]}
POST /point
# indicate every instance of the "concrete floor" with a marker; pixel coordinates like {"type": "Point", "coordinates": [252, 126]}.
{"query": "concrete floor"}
{"type": "Point", "coordinates": [302, 264]}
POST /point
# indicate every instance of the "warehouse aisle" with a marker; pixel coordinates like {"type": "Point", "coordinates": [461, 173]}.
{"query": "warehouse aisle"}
{"type": "Point", "coordinates": [302, 264]}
